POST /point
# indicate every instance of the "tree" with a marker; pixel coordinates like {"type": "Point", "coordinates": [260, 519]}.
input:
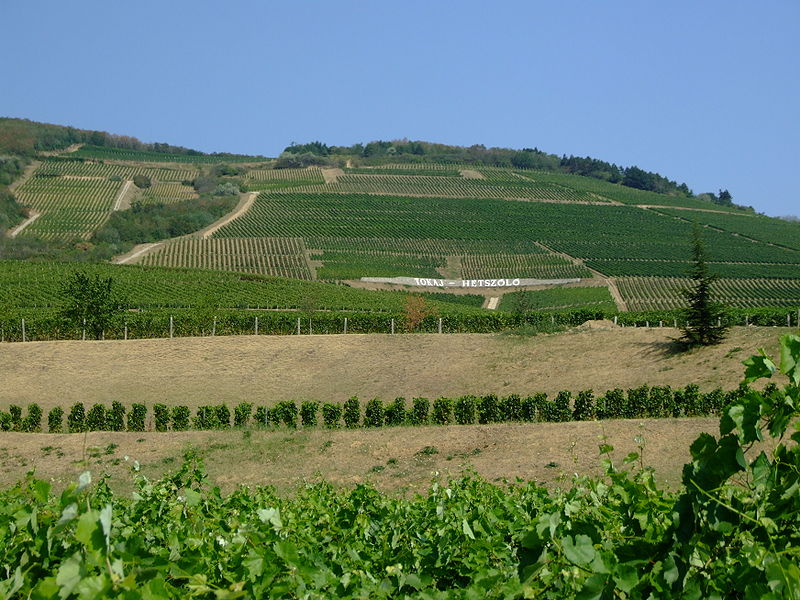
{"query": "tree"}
{"type": "Point", "coordinates": [90, 300]}
{"type": "Point", "coordinates": [416, 310]}
{"type": "Point", "coordinates": [705, 323]}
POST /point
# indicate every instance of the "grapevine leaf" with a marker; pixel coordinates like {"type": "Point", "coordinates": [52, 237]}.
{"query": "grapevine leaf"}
{"type": "Point", "coordinates": [581, 552]}
{"type": "Point", "coordinates": [192, 497]}
{"type": "Point", "coordinates": [271, 515]}
{"type": "Point", "coordinates": [69, 575]}
{"type": "Point", "coordinates": [758, 367]}
{"type": "Point", "coordinates": [626, 577]}
{"type": "Point", "coordinates": [790, 357]}
{"type": "Point", "coordinates": [467, 529]}
{"type": "Point", "coordinates": [83, 481]}
{"type": "Point", "coordinates": [593, 587]}
{"type": "Point", "coordinates": [89, 532]}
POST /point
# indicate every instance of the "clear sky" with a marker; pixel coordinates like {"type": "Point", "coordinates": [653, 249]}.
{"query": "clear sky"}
{"type": "Point", "coordinates": [706, 93]}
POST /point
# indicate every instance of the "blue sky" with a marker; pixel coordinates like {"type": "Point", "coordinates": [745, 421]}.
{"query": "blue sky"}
{"type": "Point", "coordinates": [706, 93]}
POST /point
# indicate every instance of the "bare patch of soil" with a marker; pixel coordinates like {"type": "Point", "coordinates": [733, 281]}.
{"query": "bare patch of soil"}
{"type": "Point", "coordinates": [471, 174]}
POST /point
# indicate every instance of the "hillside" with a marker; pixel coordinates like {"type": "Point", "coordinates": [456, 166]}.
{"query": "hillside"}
{"type": "Point", "coordinates": [357, 214]}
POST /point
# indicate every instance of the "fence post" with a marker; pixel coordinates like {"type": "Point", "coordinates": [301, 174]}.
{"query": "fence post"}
{"type": "Point", "coordinates": [345, 324]}
{"type": "Point", "coordinates": [298, 325]}
{"type": "Point", "coordinates": [256, 327]}
{"type": "Point", "coordinates": [675, 323]}
{"type": "Point", "coordinates": [392, 325]}
{"type": "Point", "coordinates": [126, 330]}
{"type": "Point", "coordinates": [746, 319]}
{"type": "Point", "coordinates": [310, 331]}
{"type": "Point", "coordinates": [214, 327]}
{"type": "Point", "coordinates": [440, 324]}
{"type": "Point", "coordinates": [789, 320]}
{"type": "Point", "coordinates": [615, 319]}
{"type": "Point", "coordinates": [83, 337]}
{"type": "Point", "coordinates": [171, 327]}
{"type": "Point", "coordinates": [23, 330]}
{"type": "Point", "coordinates": [2, 335]}
{"type": "Point", "coordinates": [647, 324]}
{"type": "Point", "coordinates": [719, 321]}
{"type": "Point", "coordinates": [661, 323]}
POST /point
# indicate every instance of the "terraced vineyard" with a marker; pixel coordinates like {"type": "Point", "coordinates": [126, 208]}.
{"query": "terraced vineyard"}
{"type": "Point", "coordinates": [559, 298]}
{"type": "Point", "coordinates": [167, 193]}
{"type": "Point", "coordinates": [280, 257]}
{"type": "Point", "coordinates": [654, 293]}
{"type": "Point", "coordinates": [99, 169]}
{"type": "Point", "coordinates": [70, 208]}
{"type": "Point", "coordinates": [542, 266]}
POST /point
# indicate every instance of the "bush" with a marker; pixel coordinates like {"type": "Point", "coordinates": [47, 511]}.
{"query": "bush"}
{"type": "Point", "coordinates": [286, 413]}
{"type": "Point", "coordinates": [464, 412]}
{"type": "Point", "coordinates": [16, 417]}
{"type": "Point", "coordinates": [331, 414]}
{"type": "Point", "coordinates": [374, 413]}
{"type": "Point", "coordinates": [180, 418]}
{"type": "Point", "coordinates": [419, 411]}
{"type": "Point", "coordinates": [532, 407]}
{"type": "Point", "coordinates": [115, 418]}
{"type": "Point", "coordinates": [396, 412]}
{"type": "Point", "coordinates": [5, 421]}
{"type": "Point", "coordinates": [161, 415]}
{"type": "Point", "coordinates": [55, 419]}
{"type": "Point", "coordinates": [561, 406]}
{"type": "Point", "coordinates": [308, 413]}
{"type": "Point", "coordinates": [712, 402]}
{"type": "Point", "coordinates": [205, 418]}
{"type": "Point", "coordinates": [690, 400]}
{"type": "Point", "coordinates": [442, 411]}
{"type": "Point", "coordinates": [96, 418]}
{"type": "Point", "coordinates": [584, 409]}
{"type": "Point", "coordinates": [137, 417]}
{"type": "Point", "coordinates": [223, 416]}
{"type": "Point", "coordinates": [662, 402]}
{"type": "Point", "coordinates": [261, 417]}
{"type": "Point", "coordinates": [241, 414]}
{"type": "Point", "coordinates": [351, 412]}
{"type": "Point", "coordinates": [33, 422]}
{"type": "Point", "coordinates": [76, 419]}
{"type": "Point", "coordinates": [226, 189]}
{"type": "Point", "coordinates": [141, 181]}
{"type": "Point", "coordinates": [638, 401]}
{"type": "Point", "coordinates": [488, 409]}
{"type": "Point", "coordinates": [611, 405]}
{"type": "Point", "coordinates": [511, 408]}
{"type": "Point", "coordinates": [274, 416]}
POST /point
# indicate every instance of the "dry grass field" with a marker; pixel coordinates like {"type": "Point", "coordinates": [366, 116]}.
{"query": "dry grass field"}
{"type": "Point", "coordinates": [196, 371]}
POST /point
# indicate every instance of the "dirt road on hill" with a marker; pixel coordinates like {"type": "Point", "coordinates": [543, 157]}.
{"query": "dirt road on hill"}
{"type": "Point", "coordinates": [266, 369]}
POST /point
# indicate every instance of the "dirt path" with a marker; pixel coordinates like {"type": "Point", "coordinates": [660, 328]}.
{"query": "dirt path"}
{"type": "Point", "coordinates": [15, 231]}
{"type": "Point", "coordinates": [137, 252]}
{"type": "Point", "coordinates": [471, 174]}
{"type": "Point", "coordinates": [121, 203]}
{"type": "Point", "coordinates": [245, 202]}
{"type": "Point", "coordinates": [26, 174]}
{"type": "Point", "coordinates": [68, 149]}
{"type": "Point", "coordinates": [332, 175]}
{"type": "Point", "coordinates": [710, 210]}
{"type": "Point", "coordinates": [493, 303]}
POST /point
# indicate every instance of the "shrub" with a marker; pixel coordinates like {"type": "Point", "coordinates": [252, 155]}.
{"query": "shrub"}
{"type": "Point", "coordinates": [55, 419]}
{"type": "Point", "coordinates": [561, 406]}
{"type": "Point", "coordinates": [532, 407]}
{"type": "Point", "coordinates": [351, 412]}
{"type": "Point", "coordinates": [241, 414]}
{"type": "Point", "coordinates": [442, 411]}
{"type": "Point", "coordinates": [690, 400]}
{"type": "Point", "coordinates": [662, 402]}
{"type": "Point", "coordinates": [161, 416]}
{"type": "Point", "coordinates": [287, 413]}
{"type": "Point", "coordinates": [464, 412]}
{"type": "Point", "coordinates": [712, 402]}
{"type": "Point", "coordinates": [511, 408]}
{"type": "Point", "coordinates": [638, 401]}
{"type": "Point", "coordinates": [96, 418]}
{"type": "Point", "coordinates": [611, 405]}
{"type": "Point", "coordinates": [419, 411]}
{"type": "Point", "coordinates": [33, 422]}
{"type": "Point", "coordinates": [5, 421]}
{"type": "Point", "coordinates": [395, 413]}
{"type": "Point", "coordinates": [180, 418]}
{"type": "Point", "coordinates": [488, 409]}
{"type": "Point", "coordinates": [137, 417]}
{"type": "Point", "coordinates": [115, 418]}
{"type": "Point", "coordinates": [16, 417]}
{"type": "Point", "coordinates": [274, 415]}
{"type": "Point", "coordinates": [76, 419]}
{"type": "Point", "coordinates": [223, 416]}
{"type": "Point", "coordinates": [584, 409]}
{"type": "Point", "coordinates": [331, 414]}
{"type": "Point", "coordinates": [308, 413]}
{"type": "Point", "coordinates": [374, 413]}
{"type": "Point", "coordinates": [141, 181]}
{"type": "Point", "coordinates": [205, 418]}
{"type": "Point", "coordinates": [261, 417]}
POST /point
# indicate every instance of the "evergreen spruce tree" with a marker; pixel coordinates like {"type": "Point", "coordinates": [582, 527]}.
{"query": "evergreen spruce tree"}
{"type": "Point", "coordinates": [705, 319]}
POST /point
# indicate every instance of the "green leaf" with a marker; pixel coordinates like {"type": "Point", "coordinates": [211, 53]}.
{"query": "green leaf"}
{"type": "Point", "coordinates": [758, 367]}
{"type": "Point", "coordinates": [192, 497]}
{"type": "Point", "coordinates": [467, 529]}
{"type": "Point", "coordinates": [89, 531]}
{"type": "Point", "coordinates": [581, 552]}
{"type": "Point", "coordinates": [69, 575]}
{"type": "Point", "coordinates": [271, 515]}
{"type": "Point", "coordinates": [593, 588]}
{"type": "Point", "coordinates": [626, 577]}
{"type": "Point", "coordinates": [790, 357]}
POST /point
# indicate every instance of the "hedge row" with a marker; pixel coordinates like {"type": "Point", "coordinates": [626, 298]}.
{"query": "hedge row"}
{"type": "Point", "coordinates": [47, 325]}
{"type": "Point", "coordinates": [640, 402]}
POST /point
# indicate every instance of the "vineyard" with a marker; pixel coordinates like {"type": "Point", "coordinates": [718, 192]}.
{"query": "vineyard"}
{"type": "Point", "coordinates": [76, 168]}
{"type": "Point", "coordinates": [280, 257]}
{"type": "Point", "coordinates": [560, 298]}
{"type": "Point", "coordinates": [655, 293]}
{"type": "Point", "coordinates": [266, 179]}
{"type": "Point", "coordinates": [729, 531]}
{"type": "Point", "coordinates": [121, 154]}
{"type": "Point", "coordinates": [167, 193]}
{"type": "Point", "coordinates": [70, 208]}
